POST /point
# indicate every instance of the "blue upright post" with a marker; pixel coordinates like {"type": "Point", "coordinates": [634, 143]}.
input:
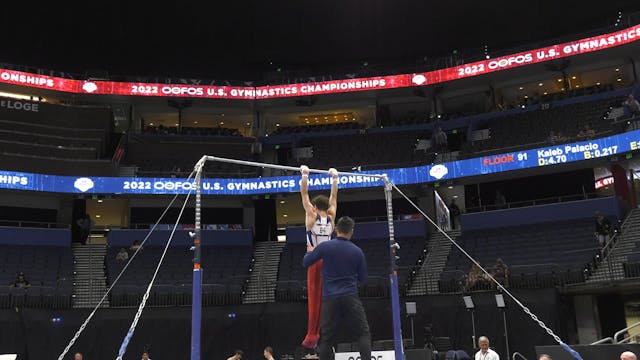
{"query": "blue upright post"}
{"type": "Point", "coordinates": [196, 302]}
{"type": "Point", "coordinates": [393, 275]}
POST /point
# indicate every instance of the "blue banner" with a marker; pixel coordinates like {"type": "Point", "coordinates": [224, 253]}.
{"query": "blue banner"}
{"type": "Point", "coordinates": [546, 156]}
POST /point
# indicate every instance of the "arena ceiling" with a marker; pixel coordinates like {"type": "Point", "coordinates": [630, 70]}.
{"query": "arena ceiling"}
{"type": "Point", "coordinates": [241, 40]}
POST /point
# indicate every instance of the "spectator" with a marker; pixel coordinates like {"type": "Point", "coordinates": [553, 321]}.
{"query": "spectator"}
{"type": "Point", "coordinates": [122, 255]}
{"type": "Point", "coordinates": [562, 138]}
{"type": "Point", "coordinates": [628, 355]}
{"type": "Point", "coordinates": [586, 133]}
{"type": "Point", "coordinates": [145, 355]}
{"type": "Point", "coordinates": [545, 357]}
{"type": "Point", "coordinates": [553, 138]}
{"type": "Point", "coordinates": [501, 273]}
{"type": "Point", "coordinates": [21, 281]}
{"type": "Point", "coordinates": [237, 355]}
{"type": "Point", "coordinates": [439, 139]}
{"type": "Point", "coordinates": [256, 149]}
{"type": "Point", "coordinates": [485, 353]}
{"type": "Point", "coordinates": [84, 224]}
{"type": "Point", "coordinates": [500, 201]}
{"type": "Point", "coordinates": [454, 214]}
{"type": "Point", "coordinates": [603, 228]}
{"type": "Point", "coordinates": [268, 353]}
{"type": "Point", "coordinates": [476, 278]}
{"type": "Point", "coordinates": [77, 356]}
{"type": "Point", "coordinates": [632, 105]}
{"type": "Point", "coordinates": [135, 246]}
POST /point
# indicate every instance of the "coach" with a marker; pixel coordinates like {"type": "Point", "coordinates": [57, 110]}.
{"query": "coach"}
{"type": "Point", "coordinates": [343, 266]}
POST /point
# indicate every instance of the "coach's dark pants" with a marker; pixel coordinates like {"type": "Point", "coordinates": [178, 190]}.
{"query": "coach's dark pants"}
{"type": "Point", "coordinates": [343, 312]}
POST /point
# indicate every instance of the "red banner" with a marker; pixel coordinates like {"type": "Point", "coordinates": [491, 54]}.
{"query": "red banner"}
{"type": "Point", "coordinates": [583, 46]}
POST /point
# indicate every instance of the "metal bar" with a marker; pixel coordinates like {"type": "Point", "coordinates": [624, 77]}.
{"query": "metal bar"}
{"type": "Point", "coordinates": [615, 337]}
{"type": "Point", "coordinates": [196, 306]}
{"type": "Point", "coordinates": [473, 326]}
{"type": "Point", "coordinates": [393, 274]}
{"type": "Point", "coordinates": [518, 354]}
{"type": "Point", "coordinates": [281, 167]}
{"type": "Point", "coordinates": [506, 333]}
{"type": "Point", "coordinates": [603, 341]}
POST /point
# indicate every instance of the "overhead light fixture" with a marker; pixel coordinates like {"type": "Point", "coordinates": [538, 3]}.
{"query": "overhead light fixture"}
{"type": "Point", "coordinates": [546, 93]}
{"type": "Point", "coordinates": [577, 86]}
{"type": "Point", "coordinates": [520, 88]}
{"type": "Point", "coordinates": [277, 125]}
{"type": "Point", "coordinates": [151, 124]}
{"type": "Point", "coordinates": [284, 215]}
{"type": "Point", "coordinates": [98, 216]}
{"type": "Point", "coordinates": [99, 200]}
{"type": "Point", "coordinates": [450, 187]}
{"type": "Point", "coordinates": [455, 196]}
{"type": "Point", "coordinates": [619, 79]}
{"type": "Point", "coordinates": [526, 96]}
{"type": "Point", "coordinates": [15, 96]}
{"type": "Point", "coordinates": [307, 121]}
{"type": "Point", "coordinates": [221, 122]}
{"type": "Point", "coordinates": [281, 201]}
{"type": "Point", "coordinates": [221, 114]}
{"type": "Point", "coordinates": [573, 77]}
{"type": "Point", "coordinates": [176, 124]}
{"type": "Point", "coordinates": [617, 69]}
{"type": "Point", "coordinates": [559, 80]}
{"type": "Point", "coordinates": [248, 124]}
{"type": "Point", "coordinates": [195, 122]}
{"type": "Point", "coordinates": [540, 84]}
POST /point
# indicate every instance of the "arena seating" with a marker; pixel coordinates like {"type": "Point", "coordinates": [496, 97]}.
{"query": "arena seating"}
{"type": "Point", "coordinates": [176, 155]}
{"type": "Point", "coordinates": [227, 269]}
{"type": "Point", "coordinates": [191, 131]}
{"type": "Point", "coordinates": [292, 276]}
{"type": "Point", "coordinates": [67, 137]}
{"type": "Point", "coordinates": [283, 130]}
{"type": "Point", "coordinates": [538, 255]}
{"type": "Point", "coordinates": [364, 148]}
{"type": "Point", "coordinates": [49, 270]}
{"type": "Point", "coordinates": [532, 128]}
{"type": "Point", "coordinates": [516, 128]}
{"type": "Point", "coordinates": [632, 264]}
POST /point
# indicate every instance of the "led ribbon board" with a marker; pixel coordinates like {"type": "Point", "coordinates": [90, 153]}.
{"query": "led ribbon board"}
{"type": "Point", "coordinates": [587, 45]}
{"type": "Point", "coordinates": [526, 159]}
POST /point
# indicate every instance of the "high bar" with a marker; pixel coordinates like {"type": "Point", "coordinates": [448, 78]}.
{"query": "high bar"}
{"type": "Point", "coordinates": [280, 167]}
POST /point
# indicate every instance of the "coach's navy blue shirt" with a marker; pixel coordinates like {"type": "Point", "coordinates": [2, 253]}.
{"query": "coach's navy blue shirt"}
{"type": "Point", "coordinates": [342, 267]}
